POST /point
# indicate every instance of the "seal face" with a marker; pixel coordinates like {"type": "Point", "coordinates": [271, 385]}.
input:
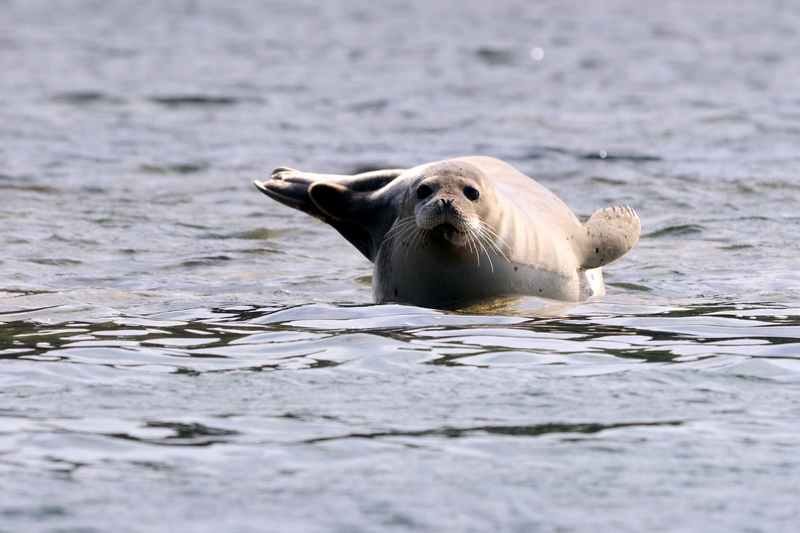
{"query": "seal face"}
{"type": "Point", "coordinates": [447, 204]}
{"type": "Point", "coordinates": [452, 233]}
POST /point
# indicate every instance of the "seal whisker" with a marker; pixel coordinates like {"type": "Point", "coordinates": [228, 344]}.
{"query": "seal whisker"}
{"type": "Point", "coordinates": [408, 231]}
{"type": "Point", "coordinates": [475, 240]}
{"type": "Point", "coordinates": [401, 231]}
{"type": "Point", "coordinates": [400, 226]}
{"type": "Point", "coordinates": [486, 227]}
{"type": "Point", "coordinates": [417, 239]}
{"type": "Point", "coordinates": [479, 239]}
{"type": "Point", "coordinates": [487, 232]}
{"type": "Point", "coordinates": [478, 248]}
{"type": "Point", "coordinates": [426, 234]}
{"type": "Point", "coordinates": [488, 255]}
{"type": "Point", "coordinates": [412, 238]}
{"type": "Point", "coordinates": [474, 248]}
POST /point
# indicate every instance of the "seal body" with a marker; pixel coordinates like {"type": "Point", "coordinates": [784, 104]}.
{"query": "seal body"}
{"type": "Point", "coordinates": [456, 232]}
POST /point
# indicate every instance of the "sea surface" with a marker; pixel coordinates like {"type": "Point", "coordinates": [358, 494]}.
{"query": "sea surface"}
{"type": "Point", "coordinates": [180, 353]}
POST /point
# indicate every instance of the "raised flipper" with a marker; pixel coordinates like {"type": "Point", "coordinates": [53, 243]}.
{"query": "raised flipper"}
{"type": "Point", "coordinates": [608, 235]}
{"type": "Point", "coordinates": [291, 187]}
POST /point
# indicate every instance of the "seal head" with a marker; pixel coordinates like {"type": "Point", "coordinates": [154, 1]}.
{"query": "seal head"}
{"type": "Point", "coordinates": [447, 204]}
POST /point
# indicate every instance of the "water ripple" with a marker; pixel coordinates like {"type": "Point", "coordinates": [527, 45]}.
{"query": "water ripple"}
{"type": "Point", "coordinates": [313, 336]}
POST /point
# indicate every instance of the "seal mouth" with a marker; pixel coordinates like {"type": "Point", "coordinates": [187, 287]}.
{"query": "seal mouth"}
{"type": "Point", "coordinates": [478, 238]}
{"type": "Point", "coordinates": [451, 234]}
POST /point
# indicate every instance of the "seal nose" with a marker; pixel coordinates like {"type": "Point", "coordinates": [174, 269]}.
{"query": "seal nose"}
{"type": "Point", "coordinates": [447, 203]}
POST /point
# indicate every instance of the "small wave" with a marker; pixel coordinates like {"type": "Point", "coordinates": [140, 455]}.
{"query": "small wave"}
{"type": "Point", "coordinates": [194, 100]}
{"type": "Point", "coordinates": [675, 231]}
{"type": "Point", "coordinates": [516, 431]}
{"type": "Point", "coordinates": [610, 156]}
{"type": "Point", "coordinates": [86, 98]}
{"type": "Point", "coordinates": [174, 168]}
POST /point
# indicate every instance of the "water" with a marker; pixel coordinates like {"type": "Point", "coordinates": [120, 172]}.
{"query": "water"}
{"type": "Point", "coordinates": [180, 354]}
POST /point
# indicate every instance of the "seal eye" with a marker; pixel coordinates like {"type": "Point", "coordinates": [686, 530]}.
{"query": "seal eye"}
{"type": "Point", "coordinates": [424, 191]}
{"type": "Point", "coordinates": [471, 193]}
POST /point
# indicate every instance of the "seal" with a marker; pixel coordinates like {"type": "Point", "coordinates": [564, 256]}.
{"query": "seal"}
{"type": "Point", "coordinates": [458, 232]}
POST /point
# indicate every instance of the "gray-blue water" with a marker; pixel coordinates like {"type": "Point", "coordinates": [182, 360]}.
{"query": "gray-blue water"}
{"type": "Point", "coordinates": [179, 353]}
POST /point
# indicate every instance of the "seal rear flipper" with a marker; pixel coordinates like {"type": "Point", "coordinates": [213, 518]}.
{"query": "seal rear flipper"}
{"type": "Point", "coordinates": [608, 235]}
{"type": "Point", "coordinates": [363, 218]}
{"type": "Point", "coordinates": [294, 194]}
{"type": "Point", "coordinates": [290, 187]}
{"type": "Point", "coordinates": [371, 181]}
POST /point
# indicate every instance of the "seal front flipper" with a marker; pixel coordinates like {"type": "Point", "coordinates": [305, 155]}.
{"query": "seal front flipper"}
{"type": "Point", "coordinates": [608, 235]}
